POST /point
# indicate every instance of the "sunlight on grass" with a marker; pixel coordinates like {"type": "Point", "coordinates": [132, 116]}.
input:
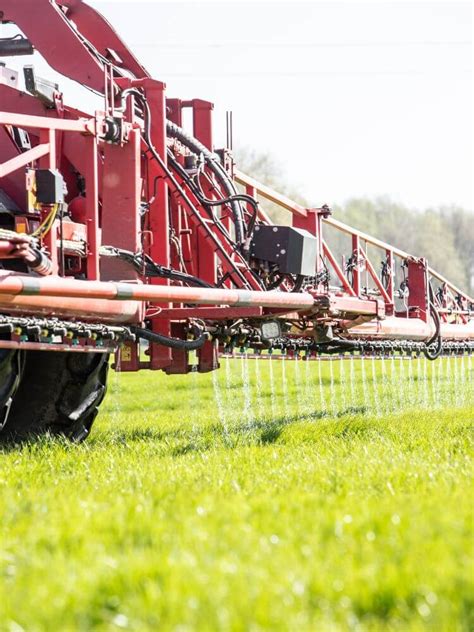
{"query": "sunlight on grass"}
{"type": "Point", "coordinates": [333, 496]}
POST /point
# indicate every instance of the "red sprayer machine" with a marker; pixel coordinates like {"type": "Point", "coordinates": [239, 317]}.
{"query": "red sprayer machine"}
{"type": "Point", "coordinates": [119, 226]}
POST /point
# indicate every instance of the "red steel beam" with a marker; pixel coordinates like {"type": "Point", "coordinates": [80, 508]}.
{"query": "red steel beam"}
{"type": "Point", "coordinates": [210, 313]}
{"type": "Point", "coordinates": [65, 51]}
{"type": "Point", "coordinates": [85, 126]}
{"type": "Point", "coordinates": [23, 159]}
{"type": "Point", "coordinates": [72, 307]}
{"type": "Point", "coordinates": [374, 276]}
{"type": "Point", "coordinates": [202, 130]}
{"type": "Point", "coordinates": [397, 328]}
{"type": "Point", "coordinates": [13, 285]}
{"type": "Point", "coordinates": [340, 274]}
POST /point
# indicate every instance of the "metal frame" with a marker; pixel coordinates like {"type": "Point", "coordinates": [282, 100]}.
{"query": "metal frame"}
{"type": "Point", "coordinates": [176, 231]}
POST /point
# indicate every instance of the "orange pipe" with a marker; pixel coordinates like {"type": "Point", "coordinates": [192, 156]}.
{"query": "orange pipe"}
{"type": "Point", "coordinates": [397, 328]}
{"type": "Point", "coordinates": [21, 285]}
{"type": "Point", "coordinates": [118, 312]}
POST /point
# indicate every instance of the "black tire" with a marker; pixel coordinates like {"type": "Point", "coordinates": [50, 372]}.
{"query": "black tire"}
{"type": "Point", "coordinates": [10, 374]}
{"type": "Point", "coordinates": [59, 394]}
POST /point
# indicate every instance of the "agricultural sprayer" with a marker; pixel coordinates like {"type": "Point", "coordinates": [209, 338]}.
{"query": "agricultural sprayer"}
{"type": "Point", "coordinates": [120, 226]}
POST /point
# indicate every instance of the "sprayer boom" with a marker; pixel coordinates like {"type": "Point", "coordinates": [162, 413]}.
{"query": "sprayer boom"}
{"type": "Point", "coordinates": [120, 225]}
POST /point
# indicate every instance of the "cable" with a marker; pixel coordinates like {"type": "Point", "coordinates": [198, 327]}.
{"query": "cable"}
{"type": "Point", "coordinates": [298, 284]}
{"type": "Point", "coordinates": [182, 172]}
{"type": "Point", "coordinates": [386, 273]}
{"type": "Point", "coordinates": [432, 355]}
{"type": "Point", "coordinates": [145, 265]}
{"type": "Point", "coordinates": [44, 228]}
{"type": "Point", "coordinates": [174, 343]}
{"type": "Point", "coordinates": [168, 174]}
{"type": "Point", "coordinates": [196, 188]}
{"type": "Point", "coordinates": [339, 344]}
{"type": "Point", "coordinates": [242, 197]}
{"type": "Point", "coordinates": [215, 166]}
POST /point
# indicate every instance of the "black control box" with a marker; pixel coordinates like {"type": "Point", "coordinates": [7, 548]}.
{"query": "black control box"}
{"type": "Point", "coordinates": [49, 186]}
{"type": "Point", "coordinates": [293, 249]}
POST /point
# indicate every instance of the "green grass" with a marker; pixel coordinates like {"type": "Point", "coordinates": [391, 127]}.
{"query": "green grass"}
{"type": "Point", "coordinates": [201, 504]}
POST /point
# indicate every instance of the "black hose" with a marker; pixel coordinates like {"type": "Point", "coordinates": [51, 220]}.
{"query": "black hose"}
{"type": "Point", "coordinates": [432, 355]}
{"type": "Point", "coordinates": [199, 193]}
{"type": "Point", "coordinates": [174, 343]}
{"type": "Point", "coordinates": [145, 265]}
{"type": "Point", "coordinates": [177, 275]}
{"type": "Point", "coordinates": [215, 166]}
{"type": "Point", "coordinates": [338, 346]}
{"type": "Point", "coordinates": [192, 185]}
{"type": "Point", "coordinates": [164, 168]}
{"type": "Point", "coordinates": [15, 46]}
{"type": "Point", "coordinates": [238, 197]}
{"type": "Point", "coordinates": [298, 283]}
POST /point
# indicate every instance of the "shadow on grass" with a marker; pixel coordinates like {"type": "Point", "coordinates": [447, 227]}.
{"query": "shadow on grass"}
{"type": "Point", "coordinates": [35, 443]}
{"type": "Point", "coordinates": [181, 441]}
{"type": "Point", "coordinates": [272, 430]}
{"type": "Point", "coordinates": [253, 432]}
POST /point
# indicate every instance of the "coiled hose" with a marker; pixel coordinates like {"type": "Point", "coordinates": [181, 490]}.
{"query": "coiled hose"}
{"type": "Point", "coordinates": [436, 338]}
{"type": "Point", "coordinates": [215, 166]}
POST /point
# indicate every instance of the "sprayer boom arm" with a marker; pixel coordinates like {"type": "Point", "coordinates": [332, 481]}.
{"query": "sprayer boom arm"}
{"type": "Point", "coordinates": [131, 221]}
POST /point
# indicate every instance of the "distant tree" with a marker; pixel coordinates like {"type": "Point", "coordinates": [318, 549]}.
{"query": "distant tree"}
{"type": "Point", "coordinates": [461, 223]}
{"type": "Point", "coordinates": [444, 235]}
{"type": "Point", "coordinates": [265, 168]}
{"type": "Point", "coordinates": [429, 233]}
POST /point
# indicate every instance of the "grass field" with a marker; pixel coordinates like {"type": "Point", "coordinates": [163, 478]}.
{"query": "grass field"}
{"type": "Point", "coordinates": [227, 502]}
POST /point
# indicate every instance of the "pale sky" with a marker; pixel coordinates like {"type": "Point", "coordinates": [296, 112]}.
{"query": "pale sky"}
{"type": "Point", "coordinates": [352, 98]}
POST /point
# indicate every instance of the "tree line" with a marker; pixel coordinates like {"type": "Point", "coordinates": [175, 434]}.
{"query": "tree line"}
{"type": "Point", "coordinates": [444, 235]}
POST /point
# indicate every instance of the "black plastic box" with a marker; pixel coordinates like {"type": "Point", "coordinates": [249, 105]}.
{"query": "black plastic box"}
{"type": "Point", "coordinates": [293, 249]}
{"type": "Point", "coordinates": [49, 186]}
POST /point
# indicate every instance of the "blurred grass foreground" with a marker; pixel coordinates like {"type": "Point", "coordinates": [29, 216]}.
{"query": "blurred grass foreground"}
{"type": "Point", "coordinates": [268, 495]}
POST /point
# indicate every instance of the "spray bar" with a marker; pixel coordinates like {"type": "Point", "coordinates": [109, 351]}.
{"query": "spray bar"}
{"type": "Point", "coordinates": [15, 285]}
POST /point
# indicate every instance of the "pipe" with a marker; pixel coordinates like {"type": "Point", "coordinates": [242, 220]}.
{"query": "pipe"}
{"type": "Point", "coordinates": [212, 161]}
{"type": "Point", "coordinates": [15, 284]}
{"type": "Point", "coordinates": [22, 246]}
{"type": "Point", "coordinates": [113, 312]}
{"type": "Point", "coordinates": [100, 300]}
{"type": "Point", "coordinates": [397, 328]}
{"type": "Point", "coordinates": [15, 46]}
{"type": "Point", "coordinates": [174, 343]}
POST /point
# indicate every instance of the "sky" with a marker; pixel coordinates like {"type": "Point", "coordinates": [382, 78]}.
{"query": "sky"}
{"type": "Point", "coordinates": [351, 98]}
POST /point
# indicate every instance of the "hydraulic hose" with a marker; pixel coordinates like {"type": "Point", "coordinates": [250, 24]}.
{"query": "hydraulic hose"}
{"type": "Point", "coordinates": [214, 165]}
{"type": "Point", "coordinates": [174, 343]}
{"type": "Point", "coordinates": [145, 265]}
{"type": "Point", "coordinates": [163, 167]}
{"type": "Point", "coordinates": [432, 355]}
{"type": "Point", "coordinates": [199, 193]}
{"type": "Point", "coordinates": [15, 46]}
{"type": "Point", "coordinates": [339, 345]}
{"type": "Point", "coordinates": [189, 181]}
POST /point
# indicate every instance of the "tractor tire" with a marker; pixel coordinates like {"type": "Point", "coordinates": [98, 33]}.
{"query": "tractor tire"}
{"type": "Point", "coordinates": [59, 394]}
{"type": "Point", "coordinates": [10, 375]}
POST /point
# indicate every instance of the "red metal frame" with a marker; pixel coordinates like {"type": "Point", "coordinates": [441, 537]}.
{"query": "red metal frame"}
{"type": "Point", "coordinates": [122, 178]}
